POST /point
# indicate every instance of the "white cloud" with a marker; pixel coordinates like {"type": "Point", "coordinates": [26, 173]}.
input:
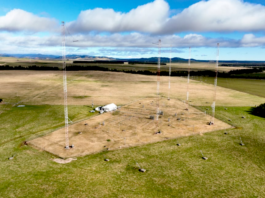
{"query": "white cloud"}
{"type": "Point", "coordinates": [146, 18]}
{"type": "Point", "coordinates": [145, 41]}
{"type": "Point", "coordinates": [135, 51]}
{"type": "Point", "coordinates": [250, 40]}
{"type": "Point", "coordinates": [133, 40]}
{"type": "Point", "coordinates": [204, 16]}
{"type": "Point", "coordinates": [152, 18]}
{"type": "Point", "coordinates": [20, 20]}
{"type": "Point", "coordinates": [134, 44]}
{"type": "Point", "coordinates": [218, 16]}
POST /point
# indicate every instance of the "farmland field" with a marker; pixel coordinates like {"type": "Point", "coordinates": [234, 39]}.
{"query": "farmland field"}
{"type": "Point", "coordinates": [196, 66]}
{"type": "Point", "coordinates": [251, 86]}
{"type": "Point", "coordinates": [230, 171]}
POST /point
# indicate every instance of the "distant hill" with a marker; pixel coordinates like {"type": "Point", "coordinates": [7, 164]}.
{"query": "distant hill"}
{"type": "Point", "coordinates": [162, 59]}
{"type": "Point", "coordinates": [139, 60]}
{"type": "Point", "coordinates": [40, 56]}
{"type": "Point", "coordinates": [44, 56]}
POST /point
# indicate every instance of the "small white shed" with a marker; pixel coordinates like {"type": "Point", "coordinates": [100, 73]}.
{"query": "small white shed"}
{"type": "Point", "coordinates": [110, 107]}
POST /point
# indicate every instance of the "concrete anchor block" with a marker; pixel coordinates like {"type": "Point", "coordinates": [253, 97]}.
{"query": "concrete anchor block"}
{"type": "Point", "coordinates": [210, 123]}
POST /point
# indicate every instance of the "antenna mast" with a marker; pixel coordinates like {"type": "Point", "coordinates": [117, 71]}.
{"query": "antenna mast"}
{"type": "Point", "coordinates": [169, 74]}
{"type": "Point", "coordinates": [65, 88]}
{"type": "Point", "coordinates": [215, 84]}
{"type": "Point", "coordinates": [188, 83]}
{"type": "Point", "coordinates": [158, 79]}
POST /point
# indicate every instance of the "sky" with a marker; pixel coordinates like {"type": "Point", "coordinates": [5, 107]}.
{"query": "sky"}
{"type": "Point", "coordinates": [130, 29]}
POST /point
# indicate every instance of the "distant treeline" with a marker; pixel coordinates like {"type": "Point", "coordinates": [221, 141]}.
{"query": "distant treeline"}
{"type": "Point", "coordinates": [247, 71]}
{"type": "Point", "coordinates": [101, 62]}
{"type": "Point", "coordinates": [145, 63]}
{"type": "Point", "coordinates": [243, 73]}
{"type": "Point", "coordinates": [231, 74]}
{"type": "Point", "coordinates": [243, 64]}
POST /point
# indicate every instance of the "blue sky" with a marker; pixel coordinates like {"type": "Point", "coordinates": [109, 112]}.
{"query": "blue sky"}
{"type": "Point", "coordinates": [127, 29]}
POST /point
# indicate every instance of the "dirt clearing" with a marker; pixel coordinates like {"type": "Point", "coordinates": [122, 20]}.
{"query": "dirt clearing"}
{"type": "Point", "coordinates": [129, 126]}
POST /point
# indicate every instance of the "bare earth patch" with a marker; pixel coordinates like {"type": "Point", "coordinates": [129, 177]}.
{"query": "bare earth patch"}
{"type": "Point", "coordinates": [129, 126]}
{"type": "Point", "coordinates": [63, 161]}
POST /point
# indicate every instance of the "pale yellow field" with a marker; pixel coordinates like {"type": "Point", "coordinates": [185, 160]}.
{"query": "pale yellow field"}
{"type": "Point", "coordinates": [204, 66]}
{"type": "Point", "coordinates": [45, 87]}
{"type": "Point", "coordinates": [7, 60]}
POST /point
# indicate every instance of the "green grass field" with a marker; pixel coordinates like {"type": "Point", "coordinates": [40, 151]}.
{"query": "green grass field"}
{"type": "Point", "coordinates": [251, 86]}
{"type": "Point", "coordinates": [231, 170]}
{"type": "Point", "coordinates": [35, 120]}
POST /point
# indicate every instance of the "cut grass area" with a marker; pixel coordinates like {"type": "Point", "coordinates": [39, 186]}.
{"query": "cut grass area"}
{"type": "Point", "coordinates": [28, 120]}
{"type": "Point", "coordinates": [231, 170]}
{"type": "Point", "coordinates": [251, 86]}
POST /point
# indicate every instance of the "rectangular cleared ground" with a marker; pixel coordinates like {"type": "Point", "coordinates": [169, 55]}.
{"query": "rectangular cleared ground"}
{"type": "Point", "coordinates": [129, 126]}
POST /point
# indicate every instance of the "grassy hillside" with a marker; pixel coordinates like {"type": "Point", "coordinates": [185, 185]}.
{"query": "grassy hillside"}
{"type": "Point", "coordinates": [231, 170]}
{"type": "Point", "coordinates": [29, 120]}
{"type": "Point", "coordinates": [251, 86]}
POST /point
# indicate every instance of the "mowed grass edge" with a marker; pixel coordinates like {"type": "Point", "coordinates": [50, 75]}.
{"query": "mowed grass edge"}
{"type": "Point", "coordinates": [231, 170]}
{"type": "Point", "coordinates": [250, 86]}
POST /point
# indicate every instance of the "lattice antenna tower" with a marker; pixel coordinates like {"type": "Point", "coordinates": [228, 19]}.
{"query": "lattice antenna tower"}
{"type": "Point", "coordinates": [215, 84]}
{"type": "Point", "coordinates": [66, 120]}
{"type": "Point", "coordinates": [169, 74]}
{"type": "Point", "coordinates": [188, 81]}
{"type": "Point", "coordinates": [158, 79]}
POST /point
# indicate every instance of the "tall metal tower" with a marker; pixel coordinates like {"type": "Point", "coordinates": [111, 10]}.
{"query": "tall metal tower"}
{"type": "Point", "coordinates": [169, 75]}
{"type": "Point", "coordinates": [158, 79]}
{"type": "Point", "coordinates": [188, 82]}
{"type": "Point", "coordinates": [65, 88]}
{"type": "Point", "coordinates": [215, 84]}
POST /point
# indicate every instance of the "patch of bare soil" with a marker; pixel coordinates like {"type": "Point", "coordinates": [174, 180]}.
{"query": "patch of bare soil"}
{"type": "Point", "coordinates": [63, 161]}
{"type": "Point", "coordinates": [130, 126]}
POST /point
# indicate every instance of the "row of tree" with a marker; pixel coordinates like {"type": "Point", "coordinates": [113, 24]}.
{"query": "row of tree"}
{"type": "Point", "coordinates": [242, 73]}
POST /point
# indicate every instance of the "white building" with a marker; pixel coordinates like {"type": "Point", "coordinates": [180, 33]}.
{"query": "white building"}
{"type": "Point", "coordinates": [107, 108]}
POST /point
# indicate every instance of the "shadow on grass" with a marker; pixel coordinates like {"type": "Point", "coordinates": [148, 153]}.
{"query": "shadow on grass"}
{"type": "Point", "coordinates": [258, 111]}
